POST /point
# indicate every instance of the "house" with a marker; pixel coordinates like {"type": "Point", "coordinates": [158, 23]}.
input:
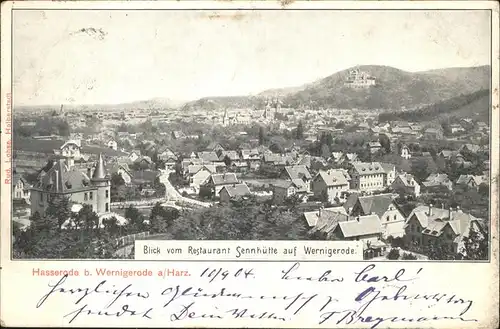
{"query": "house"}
{"type": "Point", "coordinates": [168, 157]}
{"type": "Point", "coordinates": [144, 162]}
{"type": "Point", "coordinates": [471, 148]}
{"type": "Point", "coordinates": [284, 189]}
{"type": "Point", "coordinates": [470, 181]}
{"type": "Point", "coordinates": [374, 147]}
{"type": "Point", "coordinates": [313, 218]}
{"type": "Point", "coordinates": [63, 179]}
{"type": "Point", "coordinates": [185, 163]}
{"type": "Point", "coordinates": [134, 155]}
{"type": "Point", "coordinates": [436, 181]}
{"type": "Point", "coordinates": [391, 218]}
{"type": "Point", "coordinates": [231, 155]}
{"type": "Point", "coordinates": [366, 229]}
{"type": "Point", "coordinates": [336, 156]}
{"type": "Point", "coordinates": [456, 128]}
{"type": "Point", "coordinates": [434, 133]}
{"type": "Point", "coordinates": [367, 176]}
{"type": "Point", "coordinates": [232, 192]}
{"type": "Point", "coordinates": [297, 174]}
{"type": "Point", "coordinates": [324, 221]}
{"type": "Point", "coordinates": [406, 185]}
{"type": "Point", "coordinates": [447, 154]}
{"type": "Point", "coordinates": [120, 169]}
{"type": "Point", "coordinates": [405, 152]}
{"type": "Point", "coordinates": [113, 145]}
{"type": "Point", "coordinates": [331, 185]}
{"type": "Point", "coordinates": [20, 189]}
{"type": "Point", "coordinates": [197, 174]}
{"type": "Point", "coordinates": [208, 157]}
{"type": "Point", "coordinates": [178, 135]}
{"type": "Point", "coordinates": [215, 147]}
{"type": "Point", "coordinates": [390, 173]}
{"type": "Point", "coordinates": [482, 126]}
{"type": "Point", "coordinates": [215, 182]}
{"type": "Point", "coordinates": [348, 158]}
{"type": "Point", "coordinates": [428, 225]}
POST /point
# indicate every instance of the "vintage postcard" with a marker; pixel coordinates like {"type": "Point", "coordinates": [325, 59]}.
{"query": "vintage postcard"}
{"type": "Point", "coordinates": [234, 164]}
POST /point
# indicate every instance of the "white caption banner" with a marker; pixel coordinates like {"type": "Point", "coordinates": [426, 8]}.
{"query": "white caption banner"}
{"type": "Point", "coordinates": [248, 250]}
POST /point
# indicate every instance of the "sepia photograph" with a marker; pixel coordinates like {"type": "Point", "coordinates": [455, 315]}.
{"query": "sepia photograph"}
{"type": "Point", "coordinates": [295, 125]}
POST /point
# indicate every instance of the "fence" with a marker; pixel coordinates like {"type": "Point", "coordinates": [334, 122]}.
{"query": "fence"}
{"type": "Point", "coordinates": [130, 239]}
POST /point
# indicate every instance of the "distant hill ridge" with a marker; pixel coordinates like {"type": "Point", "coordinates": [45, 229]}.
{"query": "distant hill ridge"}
{"type": "Point", "coordinates": [394, 90]}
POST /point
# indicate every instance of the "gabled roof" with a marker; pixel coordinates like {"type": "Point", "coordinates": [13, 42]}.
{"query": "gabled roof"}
{"type": "Point", "coordinates": [407, 179]}
{"type": "Point", "coordinates": [434, 223]}
{"type": "Point", "coordinates": [193, 169]}
{"type": "Point", "coordinates": [222, 179]}
{"type": "Point", "coordinates": [363, 225]}
{"type": "Point", "coordinates": [313, 217]}
{"type": "Point", "coordinates": [465, 179]}
{"type": "Point", "coordinates": [368, 168]}
{"type": "Point", "coordinates": [436, 179]}
{"type": "Point", "coordinates": [298, 171]}
{"type": "Point", "coordinates": [332, 177]}
{"type": "Point", "coordinates": [208, 156]}
{"type": "Point", "coordinates": [375, 204]}
{"type": "Point", "coordinates": [232, 155]}
{"type": "Point", "coordinates": [237, 190]}
{"type": "Point", "coordinates": [61, 179]}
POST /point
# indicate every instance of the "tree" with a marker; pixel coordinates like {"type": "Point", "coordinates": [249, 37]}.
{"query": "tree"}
{"type": "Point", "coordinates": [475, 245]}
{"type": "Point", "coordinates": [59, 209]}
{"type": "Point", "coordinates": [261, 135]}
{"type": "Point", "coordinates": [136, 220]}
{"type": "Point", "coordinates": [227, 161]}
{"type": "Point", "coordinates": [385, 142]}
{"type": "Point", "coordinates": [161, 218]}
{"type": "Point", "coordinates": [300, 131]}
{"type": "Point", "coordinates": [393, 254]}
{"type": "Point", "coordinates": [325, 151]}
{"type": "Point", "coordinates": [117, 180]}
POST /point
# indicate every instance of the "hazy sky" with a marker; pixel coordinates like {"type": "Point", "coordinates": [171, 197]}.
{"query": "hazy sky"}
{"type": "Point", "coordinates": [185, 55]}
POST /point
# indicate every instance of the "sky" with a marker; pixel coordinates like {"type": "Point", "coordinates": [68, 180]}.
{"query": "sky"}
{"type": "Point", "coordinates": [186, 55]}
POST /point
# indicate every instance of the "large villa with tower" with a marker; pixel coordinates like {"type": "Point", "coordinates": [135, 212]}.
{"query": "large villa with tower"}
{"type": "Point", "coordinates": [64, 179]}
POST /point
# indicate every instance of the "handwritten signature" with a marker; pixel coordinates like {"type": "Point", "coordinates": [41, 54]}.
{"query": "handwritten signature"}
{"type": "Point", "coordinates": [369, 293]}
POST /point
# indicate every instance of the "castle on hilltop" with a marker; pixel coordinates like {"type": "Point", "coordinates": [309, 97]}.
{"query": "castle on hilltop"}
{"type": "Point", "coordinates": [359, 79]}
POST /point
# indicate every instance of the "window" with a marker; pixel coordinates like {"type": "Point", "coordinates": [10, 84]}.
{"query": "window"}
{"type": "Point", "coordinates": [418, 229]}
{"type": "Point", "coordinates": [395, 216]}
{"type": "Point", "coordinates": [107, 206]}
{"type": "Point", "coordinates": [48, 199]}
{"type": "Point", "coordinates": [107, 193]}
{"type": "Point", "coordinates": [387, 218]}
{"type": "Point", "coordinates": [91, 195]}
{"type": "Point", "coordinates": [85, 196]}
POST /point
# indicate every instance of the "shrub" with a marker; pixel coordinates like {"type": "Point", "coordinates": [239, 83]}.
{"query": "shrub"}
{"type": "Point", "coordinates": [393, 254]}
{"type": "Point", "coordinates": [408, 256]}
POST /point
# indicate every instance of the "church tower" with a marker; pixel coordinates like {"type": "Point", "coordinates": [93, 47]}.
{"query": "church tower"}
{"type": "Point", "coordinates": [103, 183]}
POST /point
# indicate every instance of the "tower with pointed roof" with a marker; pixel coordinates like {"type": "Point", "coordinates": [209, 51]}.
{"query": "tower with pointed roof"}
{"type": "Point", "coordinates": [102, 182]}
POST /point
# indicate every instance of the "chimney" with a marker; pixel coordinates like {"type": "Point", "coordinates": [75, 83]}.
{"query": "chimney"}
{"type": "Point", "coordinates": [458, 209]}
{"type": "Point", "coordinates": [442, 205]}
{"type": "Point", "coordinates": [450, 213]}
{"type": "Point", "coordinates": [430, 210]}
{"type": "Point", "coordinates": [320, 211]}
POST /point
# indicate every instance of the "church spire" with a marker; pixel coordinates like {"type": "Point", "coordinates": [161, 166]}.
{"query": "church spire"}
{"type": "Point", "coordinates": [100, 171]}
